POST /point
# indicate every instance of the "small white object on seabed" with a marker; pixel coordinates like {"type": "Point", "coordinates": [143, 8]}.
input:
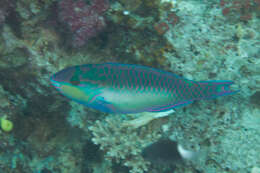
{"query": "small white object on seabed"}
{"type": "Point", "coordinates": [145, 117]}
{"type": "Point", "coordinates": [255, 170]}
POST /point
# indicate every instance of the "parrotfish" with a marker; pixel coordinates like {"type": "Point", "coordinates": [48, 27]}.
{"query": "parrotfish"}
{"type": "Point", "coordinates": [124, 88]}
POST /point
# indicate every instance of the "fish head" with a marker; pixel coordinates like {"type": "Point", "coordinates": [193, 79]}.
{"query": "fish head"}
{"type": "Point", "coordinates": [67, 81]}
{"type": "Point", "coordinates": [76, 76]}
{"type": "Point", "coordinates": [65, 76]}
{"type": "Point", "coordinates": [73, 83]}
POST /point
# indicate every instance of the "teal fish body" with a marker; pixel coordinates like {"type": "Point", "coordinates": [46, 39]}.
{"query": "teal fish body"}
{"type": "Point", "coordinates": [123, 88]}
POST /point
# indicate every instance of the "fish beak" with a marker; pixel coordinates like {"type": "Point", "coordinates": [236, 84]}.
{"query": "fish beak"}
{"type": "Point", "coordinates": [56, 84]}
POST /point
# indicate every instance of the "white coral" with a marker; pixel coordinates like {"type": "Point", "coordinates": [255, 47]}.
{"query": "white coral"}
{"type": "Point", "coordinates": [121, 143]}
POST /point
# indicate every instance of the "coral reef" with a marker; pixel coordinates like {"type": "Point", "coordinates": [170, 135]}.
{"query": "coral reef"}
{"type": "Point", "coordinates": [213, 40]}
{"type": "Point", "coordinates": [5, 7]}
{"type": "Point", "coordinates": [255, 98]}
{"type": "Point", "coordinates": [84, 21]}
{"type": "Point", "coordinates": [240, 9]}
{"type": "Point", "coordinates": [123, 144]}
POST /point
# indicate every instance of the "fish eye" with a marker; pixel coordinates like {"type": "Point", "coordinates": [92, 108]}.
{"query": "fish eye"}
{"type": "Point", "coordinates": [74, 80]}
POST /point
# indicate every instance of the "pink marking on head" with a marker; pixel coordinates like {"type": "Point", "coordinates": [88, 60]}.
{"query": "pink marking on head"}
{"type": "Point", "coordinates": [93, 98]}
{"type": "Point", "coordinates": [81, 85]}
{"type": "Point", "coordinates": [57, 87]}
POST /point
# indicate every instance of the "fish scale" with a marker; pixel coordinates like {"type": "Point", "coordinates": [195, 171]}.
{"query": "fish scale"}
{"type": "Point", "coordinates": [124, 88]}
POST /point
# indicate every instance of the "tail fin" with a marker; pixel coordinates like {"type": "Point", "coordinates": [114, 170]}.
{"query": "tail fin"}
{"type": "Point", "coordinates": [213, 89]}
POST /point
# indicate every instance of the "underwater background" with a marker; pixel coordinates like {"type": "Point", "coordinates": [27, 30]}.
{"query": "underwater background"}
{"type": "Point", "coordinates": [44, 132]}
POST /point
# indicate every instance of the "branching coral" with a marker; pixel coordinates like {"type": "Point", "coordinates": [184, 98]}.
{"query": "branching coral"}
{"type": "Point", "coordinates": [123, 144]}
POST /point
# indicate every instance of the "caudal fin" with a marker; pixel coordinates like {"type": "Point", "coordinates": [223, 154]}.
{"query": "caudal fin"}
{"type": "Point", "coordinates": [213, 89]}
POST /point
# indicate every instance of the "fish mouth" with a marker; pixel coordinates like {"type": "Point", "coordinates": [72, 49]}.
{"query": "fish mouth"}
{"type": "Point", "coordinates": [55, 84]}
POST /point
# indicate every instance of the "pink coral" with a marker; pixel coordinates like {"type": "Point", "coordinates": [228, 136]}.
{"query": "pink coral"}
{"type": "Point", "coordinates": [83, 21]}
{"type": "Point", "coordinates": [239, 9]}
